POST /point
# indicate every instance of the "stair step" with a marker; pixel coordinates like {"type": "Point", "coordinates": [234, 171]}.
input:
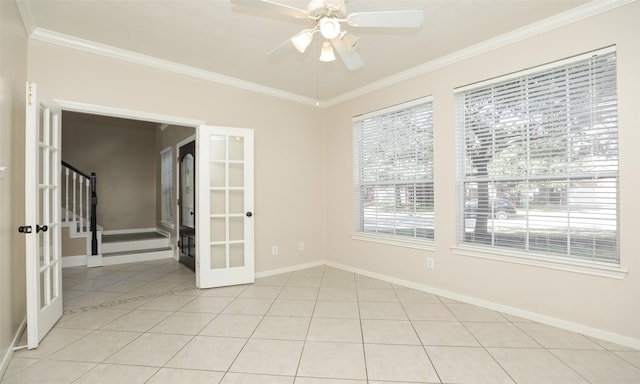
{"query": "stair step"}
{"type": "Point", "coordinates": [133, 242]}
{"type": "Point", "coordinates": [135, 251]}
{"type": "Point", "coordinates": [136, 256]}
{"type": "Point", "coordinates": [134, 236]}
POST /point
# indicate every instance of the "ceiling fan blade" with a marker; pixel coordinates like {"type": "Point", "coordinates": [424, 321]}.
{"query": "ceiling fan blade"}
{"type": "Point", "coordinates": [273, 6]}
{"type": "Point", "coordinates": [350, 57]}
{"type": "Point", "coordinates": [279, 50]}
{"type": "Point", "coordinates": [387, 19]}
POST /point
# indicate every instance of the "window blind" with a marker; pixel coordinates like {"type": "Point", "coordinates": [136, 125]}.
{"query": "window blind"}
{"type": "Point", "coordinates": [393, 171]}
{"type": "Point", "coordinates": [538, 160]}
{"type": "Point", "coordinates": [167, 186]}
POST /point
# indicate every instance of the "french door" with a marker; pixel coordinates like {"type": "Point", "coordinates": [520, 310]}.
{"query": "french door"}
{"type": "Point", "coordinates": [42, 215]}
{"type": "Point", "coordinates": [224, 203]}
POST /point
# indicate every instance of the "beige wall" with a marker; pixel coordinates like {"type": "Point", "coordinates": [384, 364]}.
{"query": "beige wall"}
{"type": "Point", "coordinates": [289, 151]}
{"type": "Point", "coordinates": [122, 154]}
{"type": "Point", "coordinates": [13, 75]}
{"type": "Point", "coordinates": [602, 303]}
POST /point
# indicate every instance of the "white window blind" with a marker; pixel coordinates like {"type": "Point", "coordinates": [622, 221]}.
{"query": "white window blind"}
{"type": "Point", "coordinates": [538, 160]}
{"type": "Point", "coordinates": [167, 186]}
{"type": "Point", "coordinates": [393, 165]}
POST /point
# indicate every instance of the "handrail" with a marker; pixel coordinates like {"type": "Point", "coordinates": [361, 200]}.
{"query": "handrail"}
{"type": "Point", "coordinates": [76, 170]}
{"type": "Point", "coordinates": [91, 212]}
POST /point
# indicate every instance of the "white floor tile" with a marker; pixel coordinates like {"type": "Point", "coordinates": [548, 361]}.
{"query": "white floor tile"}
{"type": "Point", "coordinates": [270, 357]}
{"type": "Point", "coordinates": [399, 363]}
{"type": "Point", "coordinates": [332, 360]}
{"type": "Point", "coordinates": [207, 353]}
{"type": "Point", "coordinates": [534, 366]}
{"type": "Point", "coordinates": [599, 367]}
{"type": "Point", "coordinates": [389, 332]}
{"type": "Point", "coordinates": [185, 376]}
{"type": "Point", "coordinates": [111, 373]}
{"type": "Point", "coordinates": [150, 349]}
{"type": "Point", "coordinates": [467, 365]}
{"type": "Point", "coordinates": [147, 323]}
{"type": "Point", "coordinates": [282, 328]}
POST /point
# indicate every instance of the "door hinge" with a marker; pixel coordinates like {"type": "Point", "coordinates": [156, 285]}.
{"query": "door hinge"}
{"type": "Point", "coordinates": [30, 96]}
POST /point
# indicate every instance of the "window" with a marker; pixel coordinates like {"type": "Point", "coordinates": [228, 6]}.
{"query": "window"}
{"type": "Point", "coordinates": [538, 161]}
{"type": "Point", "coordinates": [393, 164]}
{"type": "Point", "coordinates": [167, 186]}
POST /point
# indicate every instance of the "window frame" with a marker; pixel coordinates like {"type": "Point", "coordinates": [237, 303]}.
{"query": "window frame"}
{"type": "Point", "coordinates": [416, 242]}
{"type": "Point", "coordinates": [167, 218]}
{"type": "Point", "coordinates": [527, 257]}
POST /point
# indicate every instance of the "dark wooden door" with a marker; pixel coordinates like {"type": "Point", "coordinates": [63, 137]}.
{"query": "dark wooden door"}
{"type": "Point", "coordinates": [187, 204]}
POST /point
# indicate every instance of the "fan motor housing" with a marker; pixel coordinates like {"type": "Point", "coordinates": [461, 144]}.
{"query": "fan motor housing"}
{"type": "Point", "coordinates": [317, 8]}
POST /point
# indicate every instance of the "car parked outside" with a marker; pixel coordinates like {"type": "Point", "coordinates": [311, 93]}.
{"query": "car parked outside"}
{"type": "Point", "coordinates": [499, 207]}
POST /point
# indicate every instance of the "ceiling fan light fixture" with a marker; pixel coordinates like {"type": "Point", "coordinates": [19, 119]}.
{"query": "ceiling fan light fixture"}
{"type": "Point", "coordinates": [329, 27]}
{"type": "Point", "coordinates": [302, 40]}
{"type": "Point", "coordinates": [326, 53]}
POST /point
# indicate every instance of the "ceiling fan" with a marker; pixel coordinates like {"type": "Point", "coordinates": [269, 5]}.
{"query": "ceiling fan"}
{"type": "Point", "coordinates": [328, 17]}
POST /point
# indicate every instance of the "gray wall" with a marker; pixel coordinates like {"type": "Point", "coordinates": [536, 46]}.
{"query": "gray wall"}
{"type": "Point", "coordinates": [123, 155]}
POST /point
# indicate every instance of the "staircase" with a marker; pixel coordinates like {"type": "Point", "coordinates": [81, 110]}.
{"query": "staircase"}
{"type": "Point", "coordinates": [79, 201]}
{"type": "Point", "coordinates": [129, 247]}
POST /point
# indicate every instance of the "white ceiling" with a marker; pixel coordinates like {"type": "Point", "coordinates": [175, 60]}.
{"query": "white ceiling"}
{"type": "Point", "coordinates": [219, 38]}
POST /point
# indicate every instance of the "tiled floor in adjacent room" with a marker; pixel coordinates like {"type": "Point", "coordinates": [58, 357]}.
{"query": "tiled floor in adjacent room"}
{"type": "Point", "coordinates": [146, 323]}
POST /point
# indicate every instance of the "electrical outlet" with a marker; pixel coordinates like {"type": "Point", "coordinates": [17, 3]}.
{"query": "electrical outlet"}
{"type": "Point", "coordinates": [274, 250]}
{"type": "Point", "coordinates": [431, 263]}
{"type": "Point", "coordinates": [301, 246]}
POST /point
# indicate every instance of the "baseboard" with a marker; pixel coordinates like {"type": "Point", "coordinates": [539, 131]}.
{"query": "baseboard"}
{"type": "Point", "coordinates": [74, 261]}
{"type": "Point", "coordinates": [164, 232]}
{"type": "Point", "coordinates": [293, 268]}
{"type": "Point", "coordinates": [548, 320]}
{"type": "Point", "coordinates": [6, 359]}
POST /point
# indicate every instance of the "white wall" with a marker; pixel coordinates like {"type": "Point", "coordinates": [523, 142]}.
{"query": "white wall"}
{"type": "Point", "coordinates": [288, 137]}
{"type": "Point", "coordinates": [13, 75]}
{"type": "Point", "coordinates": [600, 303]}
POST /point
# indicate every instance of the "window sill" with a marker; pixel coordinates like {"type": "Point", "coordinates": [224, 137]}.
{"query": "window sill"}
{"type": "Point", "coordinates": [426, 245]}
{"type": "Point", "coordinates": [586, 267]}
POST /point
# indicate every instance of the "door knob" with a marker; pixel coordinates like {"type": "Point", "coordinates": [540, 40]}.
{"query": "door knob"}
{"type": "Point", "coordinates": [249, 214]}
{"type": "Point", "coordinates": [43, 228]}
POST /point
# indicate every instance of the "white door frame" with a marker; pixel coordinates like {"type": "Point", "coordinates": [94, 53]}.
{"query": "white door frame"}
{"type": "Point", "coordinates": [94, 109]}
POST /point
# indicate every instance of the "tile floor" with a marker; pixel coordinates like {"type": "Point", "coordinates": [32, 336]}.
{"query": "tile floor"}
{"type": "Point", "coordinates": [146, 323]}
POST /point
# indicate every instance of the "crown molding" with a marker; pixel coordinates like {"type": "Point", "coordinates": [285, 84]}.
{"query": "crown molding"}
{"type": "Point", "coordinates": [52, 37]}
{"type": "Point", "coordinates": [590, 9]}
{"type": "Point", "coordinates": [26, 15]}
{"type": "Point", "coordinates": [582, 12]}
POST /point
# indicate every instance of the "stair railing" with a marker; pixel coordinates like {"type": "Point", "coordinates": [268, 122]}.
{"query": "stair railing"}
{"type": "Point", "coordinates": [81, 205]}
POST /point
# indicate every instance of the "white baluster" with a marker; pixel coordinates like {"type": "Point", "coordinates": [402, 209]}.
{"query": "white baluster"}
{"type": "Point", "coordinates": [75, 176]}
{"type": "Point", "coordinates": [66, 194]}
{"type": "Point", "coordinates": [88, 215]}
{"type": "Point", "coordinates": [81, 213]}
